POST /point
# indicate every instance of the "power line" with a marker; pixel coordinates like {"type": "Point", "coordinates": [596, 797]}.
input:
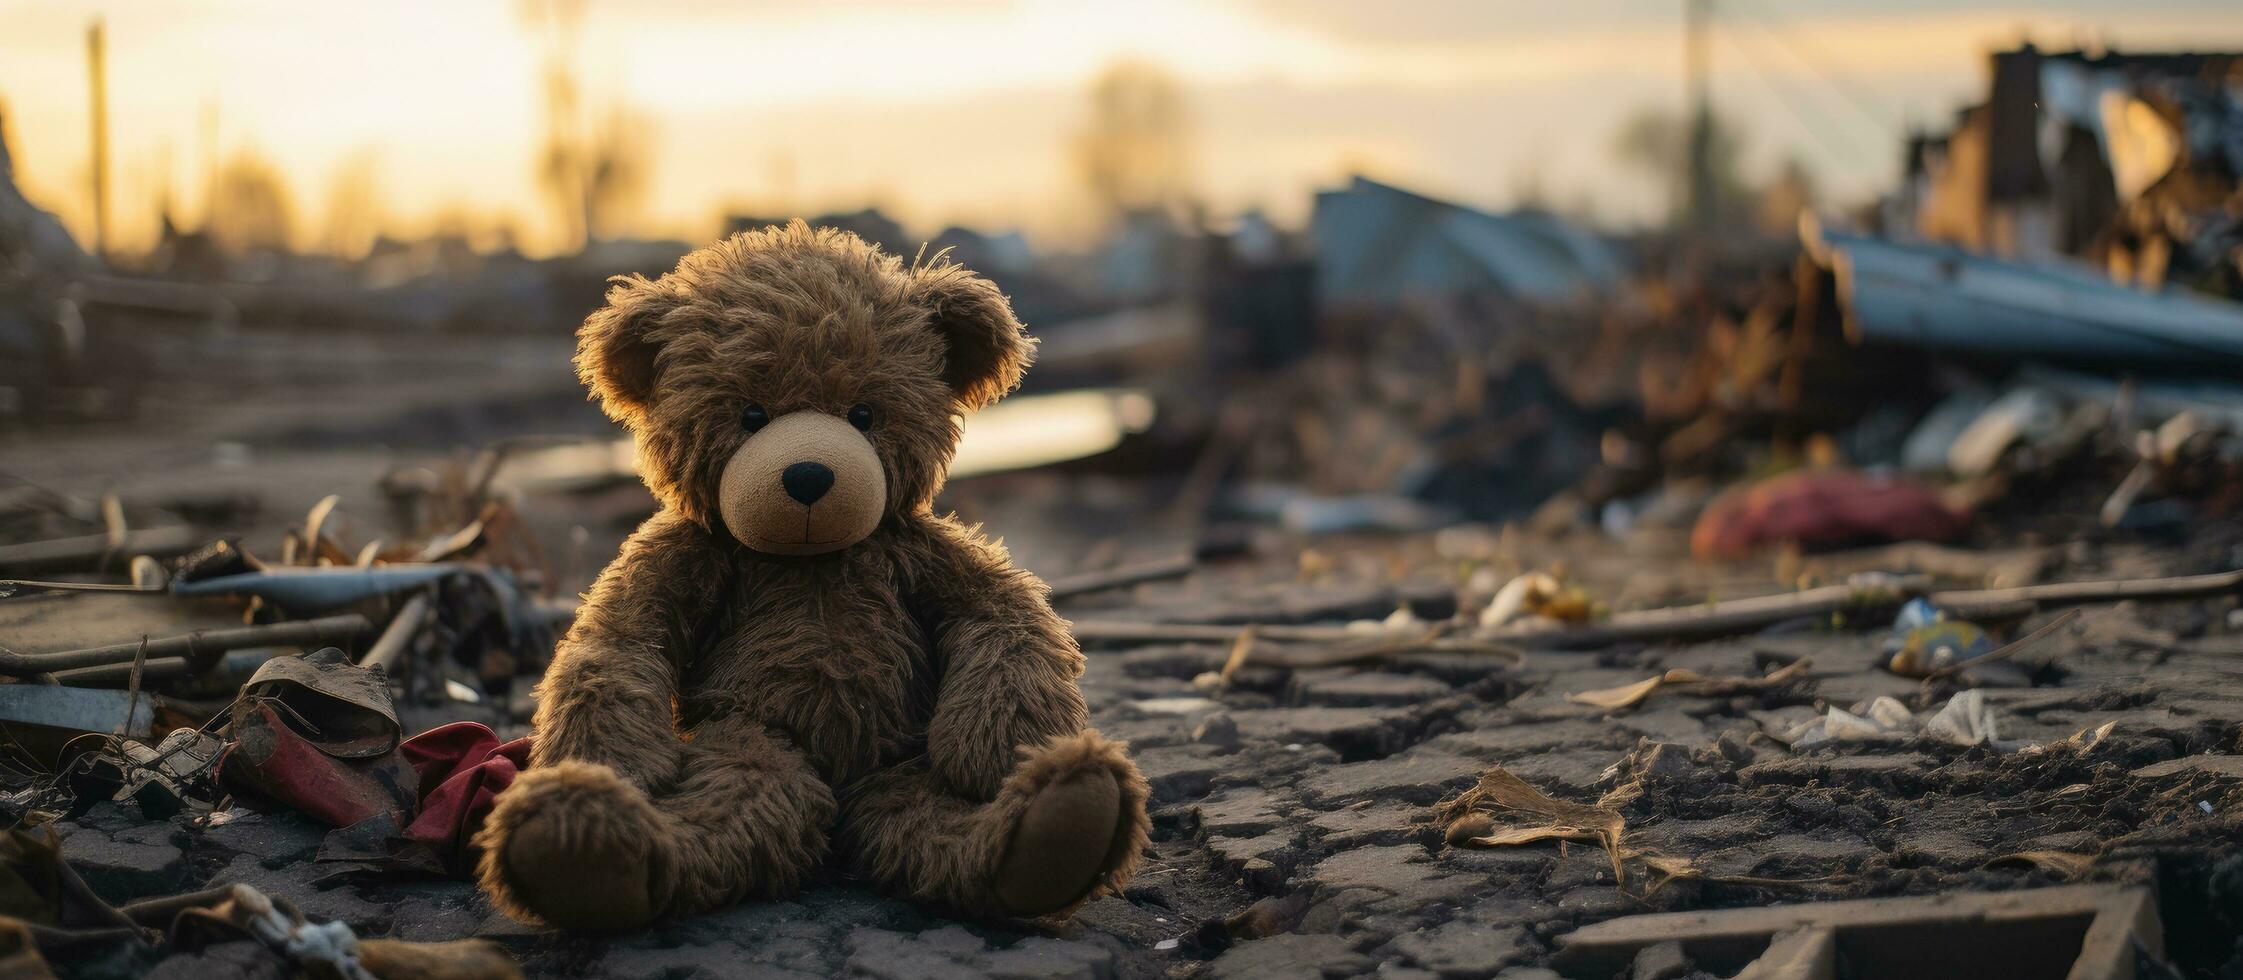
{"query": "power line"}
{"type": "Point", "coordinates": [1784, 96]}
{"type": "Point", "coordinates": [1803, 51]}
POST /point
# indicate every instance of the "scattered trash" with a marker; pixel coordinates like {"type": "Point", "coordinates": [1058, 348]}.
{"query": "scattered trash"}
{"type": "Point", "coordinates": [1924, 640]}
{"type": "Point", "coordinates": [1965, 720]}
{"type": "Point", "coordinates": [1538, 595]}
{"type": "Point", "coordinates": [2025, 415]}
{"type": "Point", "coordinates": [54, 915]}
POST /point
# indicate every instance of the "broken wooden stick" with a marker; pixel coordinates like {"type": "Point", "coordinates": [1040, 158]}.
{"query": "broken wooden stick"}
{"type": "Point", "coordinates": [1872, 600]}
{"type": "Point", "coordinates": [82, 553]}
{"type": "Point", "coordinates": [1746, 615]}
{"type": "Point", "coordinates": [1716, 619]}
{"type": "Point", "coordinates": [1091, 632]}
{"type": "Point", "coordinates": [1963, 603]}
{"type": "Point", "coordinates": [1344, 654]}
{"type": "Point", "coordinates": [1999, 568]}
{"type": "Point", "coordinates": [1081, 583]}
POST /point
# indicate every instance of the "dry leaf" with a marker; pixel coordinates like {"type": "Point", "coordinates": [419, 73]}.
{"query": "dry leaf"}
{"type": "Point", "coordinates": [1710, 686]}
{"type": "Point", "coordinates": [1241, 649]}
{"type": "Point", "coordinates": [1510, 836]}
{"type": "Point", "coordinates": [1668, 869]}
{"type": "Point", "coordinates": [1504, 796]}
{"type": "Point", "coordinates": [1465, 827]}
{"type": "Point", "coordinates": [1618, 698]}
{"type": "Point", "coordinates": [1513, 812]}
{"type": "Point", "coordinates": [2064, 864]}
{"type": "Point", "coordinates": [1629, 695]}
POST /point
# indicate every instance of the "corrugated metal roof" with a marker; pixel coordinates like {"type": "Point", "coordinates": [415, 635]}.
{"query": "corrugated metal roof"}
{"type": "Point", "coordinates": [1381, 244]}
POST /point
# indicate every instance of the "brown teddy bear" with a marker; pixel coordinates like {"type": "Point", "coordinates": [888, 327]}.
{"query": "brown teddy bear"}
{"type": "Point", "coordinates": [796, 655]}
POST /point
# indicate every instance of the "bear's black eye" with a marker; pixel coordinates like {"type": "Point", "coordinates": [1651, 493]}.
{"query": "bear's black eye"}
{"type": "Point", "coordinates": [861, 417]}
{"type": "Point", "coordinates": [753, 418]}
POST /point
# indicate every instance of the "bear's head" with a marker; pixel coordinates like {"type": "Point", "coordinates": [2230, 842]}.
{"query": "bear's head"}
{"type": "Point", "coordinates": [796, 387]}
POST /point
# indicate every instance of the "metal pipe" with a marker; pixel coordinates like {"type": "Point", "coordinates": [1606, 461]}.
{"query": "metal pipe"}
{"type": "Point", "coordinates": [397, 639]}
{"type": "Point", "coordinates": [155, 671]}
{"type": "Point", "coordinates": [196, 646]}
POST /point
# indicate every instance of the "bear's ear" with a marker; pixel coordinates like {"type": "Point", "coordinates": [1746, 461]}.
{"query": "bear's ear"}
{"type": "Point", "coordinates": [615, 349]}
{"type": "Point", "coordinates": [985, 348]}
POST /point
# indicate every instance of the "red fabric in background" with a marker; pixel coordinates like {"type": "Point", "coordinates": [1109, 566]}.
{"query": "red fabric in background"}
{"type": "Point", "coordinates": [1823, 509]}
{"type": "Point", "coordinates": [462, 767]}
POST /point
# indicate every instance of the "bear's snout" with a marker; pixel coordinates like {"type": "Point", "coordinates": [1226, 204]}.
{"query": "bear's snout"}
{"type": "Point", "coordinates": [807, 483]}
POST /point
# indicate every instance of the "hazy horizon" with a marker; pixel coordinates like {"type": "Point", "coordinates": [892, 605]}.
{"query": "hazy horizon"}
{"type": "Point", "coordinates": [965, 113]}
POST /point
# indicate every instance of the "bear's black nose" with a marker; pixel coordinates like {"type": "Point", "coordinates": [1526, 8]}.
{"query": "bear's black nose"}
{"type": "Point", "coordinates": [806, 482]}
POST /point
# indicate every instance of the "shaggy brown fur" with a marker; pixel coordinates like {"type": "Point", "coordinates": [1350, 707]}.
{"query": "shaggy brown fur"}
{"type": "Point", "coordinates": [712, 703]}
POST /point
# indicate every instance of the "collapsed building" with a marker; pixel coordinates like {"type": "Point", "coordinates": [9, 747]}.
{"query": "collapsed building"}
{"type": "Point", "coordinates": [2126, 161]}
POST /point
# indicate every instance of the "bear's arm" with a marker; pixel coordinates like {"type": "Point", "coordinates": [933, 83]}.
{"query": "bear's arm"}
{"type": "Point", "coordinates": [609, 695]}
{"type": "Point", "coordinates": [1008, 663]}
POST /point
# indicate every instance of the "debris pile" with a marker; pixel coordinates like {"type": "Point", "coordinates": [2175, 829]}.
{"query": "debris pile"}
{"type": "Point", "coordinates": [52, 918]}
{"type": "Point", "coordinates": [217, 682]}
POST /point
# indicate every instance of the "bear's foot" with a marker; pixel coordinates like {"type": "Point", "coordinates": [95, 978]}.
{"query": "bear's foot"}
{"type": "Point", "coordinates": [573, 845]}
{"type": "Point", "coordinates": [1082, 827]}
{"type": "Point", "coordinates": [1059, 850]}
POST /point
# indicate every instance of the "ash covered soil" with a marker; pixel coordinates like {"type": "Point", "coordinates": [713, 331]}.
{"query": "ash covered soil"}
{"type": "Point", "coordinates": [1294, 809]}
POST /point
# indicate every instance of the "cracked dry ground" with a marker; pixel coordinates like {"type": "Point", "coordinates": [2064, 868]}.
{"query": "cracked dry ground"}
{"type": "Point", "coordinates": [1292, 811]}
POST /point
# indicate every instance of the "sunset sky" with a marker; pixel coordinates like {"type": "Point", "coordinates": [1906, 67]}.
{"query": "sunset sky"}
{"type": "Point", "coordinates": [964, 111]}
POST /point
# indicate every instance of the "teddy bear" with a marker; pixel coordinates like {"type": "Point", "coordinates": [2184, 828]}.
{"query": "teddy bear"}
{"type": "Point", "coordinates": [796, 660]}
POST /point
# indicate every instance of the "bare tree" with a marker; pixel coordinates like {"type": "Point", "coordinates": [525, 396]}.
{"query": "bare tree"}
{"type": "Point", "coordinates": [1135, 152]}
{"type": "Point", "coordinates": [250, 209]}
{"type": "Point", "coordinates": [1785, 196]}
{"type": "Point", "coordinates": [1656, 141]}
{"type": "Point", "coordinates": [354, 207]}
{"type": "Point", "coordinates": [593, 164]}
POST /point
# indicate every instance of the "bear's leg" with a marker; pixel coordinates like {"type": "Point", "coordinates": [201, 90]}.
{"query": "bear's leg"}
{"type": "Point", "coordinates": [1068, 821]}
{"type": "Point", "coordinates": [578, 847]}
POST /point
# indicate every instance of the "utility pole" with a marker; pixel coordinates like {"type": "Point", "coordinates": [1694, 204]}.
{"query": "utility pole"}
{"type": "Point", "coordinates": [209, 161]}
{"type": "Point", "coordinates": [1697, 71]}
{"type": "Point", "coordinates": [96, 59]}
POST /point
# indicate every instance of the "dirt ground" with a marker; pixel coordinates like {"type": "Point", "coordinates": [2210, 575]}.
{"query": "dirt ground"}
{"type": "Point", "coordinates": [1295, 829]}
